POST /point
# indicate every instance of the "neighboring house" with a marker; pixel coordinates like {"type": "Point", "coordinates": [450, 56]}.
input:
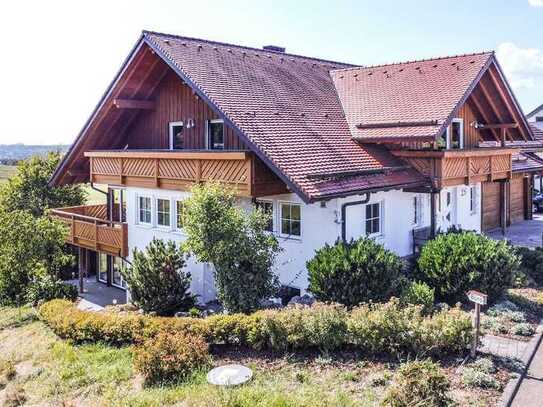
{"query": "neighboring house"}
{"type": "Point", "coordinates": [333, 151]}
{"type": "Point", "coordinates": [535, 120]}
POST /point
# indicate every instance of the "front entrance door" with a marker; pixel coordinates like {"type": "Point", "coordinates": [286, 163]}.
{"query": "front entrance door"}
{"type": "Point", "coordinates": [448, 209]}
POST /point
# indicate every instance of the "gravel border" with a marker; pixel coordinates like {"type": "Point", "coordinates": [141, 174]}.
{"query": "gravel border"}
{"type": "Point", "coordinates": [512, 387]}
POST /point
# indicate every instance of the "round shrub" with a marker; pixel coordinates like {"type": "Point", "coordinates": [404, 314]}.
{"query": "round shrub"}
{"type": "Point", "coordinates": [455, 263]}
{"type": "Point", "coordinates": [171, 357]}
{"type": "Point", "coordinates": [354, 272]}
{"type": "Point", "coordinates": [531, 263]}
{"type": "Point", "coordinates": [418, 383]}
{"type": "Point", "coordinates": [419, 293]}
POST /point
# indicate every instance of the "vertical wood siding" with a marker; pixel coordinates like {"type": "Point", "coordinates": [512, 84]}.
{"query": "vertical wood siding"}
{"type": "Point", "coordinates": [175, 102]}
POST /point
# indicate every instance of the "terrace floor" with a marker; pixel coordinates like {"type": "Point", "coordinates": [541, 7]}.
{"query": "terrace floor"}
{"type": "Point", "coordinates": [528, 233]}
{"type": "Point", "coordinates": [98, 295]}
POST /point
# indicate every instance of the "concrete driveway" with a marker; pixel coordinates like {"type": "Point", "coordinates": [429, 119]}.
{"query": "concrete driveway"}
{"type": "Point", "coordinates": [528, 233]}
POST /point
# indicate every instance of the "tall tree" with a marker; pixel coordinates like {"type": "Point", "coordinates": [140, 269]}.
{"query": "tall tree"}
{"type": "Point", "coordinates": [220, 232]}
{"type": "Point", "coordinates": [28, 189]}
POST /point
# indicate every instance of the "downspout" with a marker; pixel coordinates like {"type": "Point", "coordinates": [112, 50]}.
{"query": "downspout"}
{"type": "Point", "coordinates": [344, 213]}
{"type": "Point", "coordinates": [97, 189]}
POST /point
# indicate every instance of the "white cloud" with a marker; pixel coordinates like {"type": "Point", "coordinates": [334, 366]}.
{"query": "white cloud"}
{"type": "Point", "coordinates": [523, 66]}
{"type": "Point", "coordinates": [535, 3]}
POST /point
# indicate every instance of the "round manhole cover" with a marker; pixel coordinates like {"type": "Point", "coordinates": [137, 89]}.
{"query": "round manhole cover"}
{"type": "Point", "coordinates": [229, 375]}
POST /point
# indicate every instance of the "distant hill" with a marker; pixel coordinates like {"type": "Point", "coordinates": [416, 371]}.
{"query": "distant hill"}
{"type": "Point", "coordinates": [11, 153]}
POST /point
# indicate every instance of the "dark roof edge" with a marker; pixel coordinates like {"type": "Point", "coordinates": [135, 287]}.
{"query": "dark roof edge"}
{"type": "Point", "coordinates": [326, 197]}
{"type": "Point", "coordinates": [162, 54]}
{"type": "Point", "coordinates": [534, 111]}
{"type": "Point", "coordinates": [67, 156]}
{"type": "Point", "coordinates": [181, 37]}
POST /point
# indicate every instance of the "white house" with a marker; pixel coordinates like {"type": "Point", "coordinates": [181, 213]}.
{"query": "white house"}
{"type": "Point", "coordinates": [333, 151]}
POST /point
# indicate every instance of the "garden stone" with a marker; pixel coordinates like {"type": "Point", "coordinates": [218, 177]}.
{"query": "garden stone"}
{"type": "Point", "coordinates": [270, 304]}
{"type": "Point", "coordinates": [302, 300]}
{"type": "Point", "coordinates": [182, 314]}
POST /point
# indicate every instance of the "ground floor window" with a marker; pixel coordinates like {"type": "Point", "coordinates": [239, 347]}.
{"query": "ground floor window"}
{"type": "Point", "coordinates": [291, 220]}
{"type": "Point", "coordinates": [373, 219]}
{"type": "Point", "coordinates": [102, 267]}
{"type": "Point", "coordinates": [116, 276]}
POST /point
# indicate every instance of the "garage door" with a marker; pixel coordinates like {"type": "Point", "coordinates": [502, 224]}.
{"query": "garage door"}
{"type": "Point", "coordinates": [491, 205]}
{"type": "Point", "coordinates": [517, 200]}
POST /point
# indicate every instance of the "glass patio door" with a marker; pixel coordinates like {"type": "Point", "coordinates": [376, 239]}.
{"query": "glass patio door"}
{"type": "Point", "coordinates": [116, 276]}
{"type": "Point", "coordinates": [102, 267]}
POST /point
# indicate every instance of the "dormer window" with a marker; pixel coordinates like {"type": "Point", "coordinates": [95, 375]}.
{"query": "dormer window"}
{"type": "Point", "coordinates": [215, 135]}
{"type": "Point", "coordinates": [176, 135]}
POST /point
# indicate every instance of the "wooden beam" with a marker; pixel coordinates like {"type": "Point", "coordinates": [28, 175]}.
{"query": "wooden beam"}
{"type": "Point", "coordinates": [134, 104]}
{"type": "Point", "coordinates": [490, 100]}
{"type": "Point", "coordinates": [483, 114]}
{"type": "Point", "coordinates": [505, 97]}
{"type": "Point", "coordinates": [499, 126]}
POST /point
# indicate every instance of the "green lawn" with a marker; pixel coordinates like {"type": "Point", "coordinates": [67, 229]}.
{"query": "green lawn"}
{"type": "Point", "coordinates": [6, 171]}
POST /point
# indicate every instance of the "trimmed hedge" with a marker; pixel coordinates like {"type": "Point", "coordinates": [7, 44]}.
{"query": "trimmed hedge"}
{"type": "Point", "coordinates": [375, 328]}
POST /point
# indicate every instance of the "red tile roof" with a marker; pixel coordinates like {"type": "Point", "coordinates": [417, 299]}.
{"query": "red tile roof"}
{"type": "Point", "coordinates": [537, 131]}
{"type": "Point", "coordinates": [420, 93]}
{"type": "Point", "coordinates": [285, 105]}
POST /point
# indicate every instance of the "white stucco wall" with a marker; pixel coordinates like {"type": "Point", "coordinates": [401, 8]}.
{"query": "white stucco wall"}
{"type": "Point", "coordinates": [321, 224]}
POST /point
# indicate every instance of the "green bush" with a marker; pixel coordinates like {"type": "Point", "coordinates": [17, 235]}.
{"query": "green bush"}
{"type": "Point", "coordinates": [399, 330]}
{"type": "Point", "coordinates": [531, 263]}
{"type": "Point", "coordinates": [354, 272]}
{"type": "Point", "coordinates": [171, 357]}
{"type": "Point", "coordinates": [375, 328]}
{"type": "Point", "coordinates": [242, 252]}
{"type": "Point", "coordinates": [418, 383]}
{"type": "Point", "coordinates": [28, 245]}
{"type": "Point", "coordinates": [157, 279]}
{"type": "Point", "coordinates": [322, 326]}
{"type": "Point", "coordinates": [45, 287]}
{"type": "Point", "coordinates": [455, 263]}
{"type": "Point", "coordinates": [419, 293]}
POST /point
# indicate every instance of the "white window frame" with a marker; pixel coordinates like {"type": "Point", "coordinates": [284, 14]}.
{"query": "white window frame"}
{"type": "Point", "coordinates": [280, 225]}
{"type": "Point", "coordinates": [473, 199]}
{"type": "Point", "coordinates": [123, 284]}
{"type": "Point", "coordinates": [170, 131]}
{"type": "Point", "coordinates": [269, 201]}
{"type": "Point", "coordinates": [156, 212]}
{"type": "Point", "coordinates": [462, 135]}
{"type": "Point", "coordinates": [175, 224]}
{"type": "Point", "coordinates": [417, 210]}
{"type": "Point", "coordinates": [381, 219]}
{"type": "Point", "coordinates": [138, 217]}
{"type": "Point", "coordinates": [208, 134]}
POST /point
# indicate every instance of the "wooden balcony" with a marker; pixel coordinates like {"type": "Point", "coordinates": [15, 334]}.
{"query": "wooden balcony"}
{"type": "Point", "coordinates": [89, 228]}
{"type": "Point", "coordinates": [457, 167]}
{"type": "Point", "coordinates": [180, 170]}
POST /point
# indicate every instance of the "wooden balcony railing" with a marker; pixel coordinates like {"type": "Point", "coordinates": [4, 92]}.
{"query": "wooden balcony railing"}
{"type": "Point", "coordinates": [89, 228]}
{"type": "Point", "coordinates": [456, 167]}
{"type": "Point", "coordinates": [240, 170]}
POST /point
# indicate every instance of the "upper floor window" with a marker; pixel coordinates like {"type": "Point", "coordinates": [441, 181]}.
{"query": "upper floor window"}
{"type": "Point", "coordinates": [267, 208]}
{"type": "Point", "coordinates": [176, 135]}
{"type": "Point", "coordinates": [455, 134]}
{"type": "Point", "coordinates": [373, 219]}
{"type": "Point", "coordinates": [215, 134]}
{"type": "Point", "coordinates": [179, 214]}
{"type": "Point", "coordinates": [144, 209]}
{"type": "Point", "coordinates": [291, 219]}
{"type": "Point", "coordinates": [163, 212]}
{"type": "Point", "coordinates": [539, 118]}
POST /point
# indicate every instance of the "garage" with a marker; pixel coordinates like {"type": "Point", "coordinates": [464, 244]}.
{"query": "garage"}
{"type": "Point", "coordinates": [491, 205]}
{"type": "Point", "coordinates": [517, 211]}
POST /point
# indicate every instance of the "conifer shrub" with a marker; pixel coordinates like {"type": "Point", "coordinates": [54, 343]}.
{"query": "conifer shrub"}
{"type": "Point", "coordinates": [353, 272]}
{"type": "Point", "coordinates": [454, 263]}
{"type": "Point", "coordinates": [171, 357]}
{"type": "Point", "coordinates": [157, 280]}
{"type": "Point", "coordinates": [531, 263]}
{"type": "Point", "coordinates": [418, 383]}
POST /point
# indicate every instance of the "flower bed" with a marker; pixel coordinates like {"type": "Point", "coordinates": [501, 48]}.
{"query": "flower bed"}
{"type": "Point", "coordinates": [387, 328]}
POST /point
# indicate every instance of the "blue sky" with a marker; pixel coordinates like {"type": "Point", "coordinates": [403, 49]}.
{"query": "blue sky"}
{"type": "Point", "coordinates": [58, 56]}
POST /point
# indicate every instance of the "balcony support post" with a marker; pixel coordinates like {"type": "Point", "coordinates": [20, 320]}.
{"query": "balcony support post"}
{"type": "Point", "coordinates": [82, 264]}
{"type": "Point", "coordinates": [433, 214]}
